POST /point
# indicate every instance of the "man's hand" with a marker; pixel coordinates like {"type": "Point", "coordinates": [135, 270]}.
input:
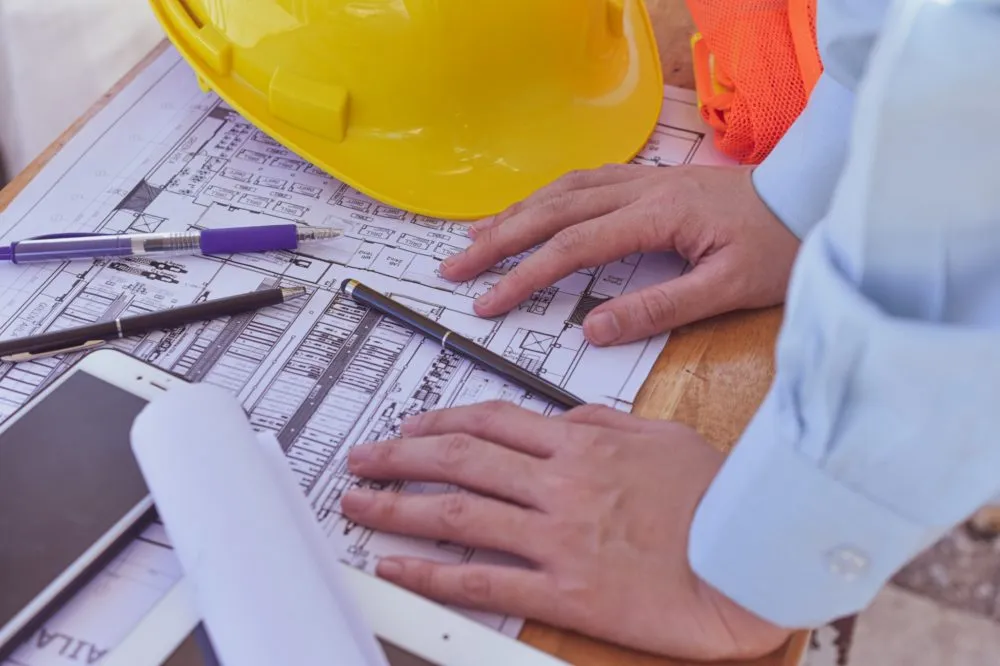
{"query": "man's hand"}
{"type": "Point", "coordinates": [599, 502]}
{"type": "Point", "coordinates": [741, 253]}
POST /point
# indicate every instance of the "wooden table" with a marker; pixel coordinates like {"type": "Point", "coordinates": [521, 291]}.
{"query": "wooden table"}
{"type": "Point", "coordinates": [704, 371]}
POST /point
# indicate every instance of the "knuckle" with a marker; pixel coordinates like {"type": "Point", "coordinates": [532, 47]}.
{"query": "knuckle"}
{"type": "Point", "coordinates": [655, 308]}
{"type": "Point", "coordinates": [455, 451]}
{"type": "Point", "coordinates": [577, 595]}
{"type": "Point", "coordinates": [476, 587]}
{"type": "Point", "coordinates": [385, 453]}
{"type": "Point", "coordinates": [454, 511]}
{"type": "Point", "coordinates": [603, 447]}
{"type": "Point", "coordinates": [386, 507]}
{"type": "Point", "coordinates": [561, 488]}
{"type": "Point", "coordinates": [488, 237]}
{"type": "Point", "coordinates": [566, 242]}
{"type": "Point", "coordinates": [652, 229]}
{"type": "Point", "coordinates": [421, 577]}
{"type": "Point", "coordinates": [649, 215]}
{"type": "Point", "coordinates": [489, 421]}
{"type": "Point", "coordinates": [684, 178]}
{"type": "Point", "coordinates": [571, 536]}
{"type": "Point", "coordinates": [509, 212]}
{"type": "Point", "coordinates": [496, 412]}
{"type": "Point", "coordinates": [552, 204]}
{"type": "Point", "coordinates": [521, 278]}
{"type": "Point", "coordinates": [575, 177]}
{"type": "Point", "coordinates": [429, 420]}
{"type": "Point", "coordinates": [499, 241]}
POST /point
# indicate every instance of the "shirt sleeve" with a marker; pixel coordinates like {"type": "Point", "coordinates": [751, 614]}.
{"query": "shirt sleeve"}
{"type": "Point", "coordinates": [797, 179]}
{"type": "Point", "coordinates": [881, 430]}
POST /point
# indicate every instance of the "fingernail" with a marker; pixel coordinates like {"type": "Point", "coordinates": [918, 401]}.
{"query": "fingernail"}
{"type": "Point", "coordinates": [389, 568]}
{"type": "Point", "coordinates": [485, 300]}
{"type": "Point", "coordinates": [482, 224]}
{"type": "Point", "coordinates": [356, 499]}
{"type": "Point", "coordinates": [359, 454]}
{"type": "Point", "coordinates": [602, 328]}
{"type": "Point", "coordinates": [410, 425]}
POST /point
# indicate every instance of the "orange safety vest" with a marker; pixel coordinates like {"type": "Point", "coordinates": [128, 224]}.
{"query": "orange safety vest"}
{"type": "Point", "coordinates": [755, 64]}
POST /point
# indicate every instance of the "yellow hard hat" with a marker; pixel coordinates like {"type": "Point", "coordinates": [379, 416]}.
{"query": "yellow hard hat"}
{"type": "Point", "coordinates": [448, 108]}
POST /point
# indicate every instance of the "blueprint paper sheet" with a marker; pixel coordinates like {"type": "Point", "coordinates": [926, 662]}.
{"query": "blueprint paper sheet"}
{"type": "Point", "coordinates": [321, 373]}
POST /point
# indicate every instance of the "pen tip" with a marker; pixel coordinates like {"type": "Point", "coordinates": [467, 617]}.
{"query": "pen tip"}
{"type": "Point", "coordinates": [292, 292]}
{"type": "Point", "coordinates": [316, 234]}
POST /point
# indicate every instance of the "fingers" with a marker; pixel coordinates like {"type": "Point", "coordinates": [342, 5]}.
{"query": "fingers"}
{"type": "Point", "coordinates": [606, 417]}
{"type": "Point", "coordinates": [702, 293]}
{"type": "Point", "coordinates": [490, 588]}
{"type": "Point", "coordinates": [583, 245]}
{"type": "Point", "coordinates": [532, 224]}
{"type": "Point", "coordinates": [495, 421]}
{"type": "Point", "coordinates": [457, 517]}
{"type": "Point", "coordinates": [456, 458]}
{"type": "Point", "coordinates": [609, 174]}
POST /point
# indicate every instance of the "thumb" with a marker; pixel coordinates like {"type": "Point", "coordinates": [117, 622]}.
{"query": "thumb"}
{"type": "Point", "coordinates": [659, 308]}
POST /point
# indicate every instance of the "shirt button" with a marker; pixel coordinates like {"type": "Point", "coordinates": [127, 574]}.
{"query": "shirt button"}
{"type": "Point", "coordinates": [846, 562]}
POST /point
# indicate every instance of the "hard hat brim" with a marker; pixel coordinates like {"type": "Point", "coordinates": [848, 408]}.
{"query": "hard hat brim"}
{"type": "Point", "coordinates": [446, 176]}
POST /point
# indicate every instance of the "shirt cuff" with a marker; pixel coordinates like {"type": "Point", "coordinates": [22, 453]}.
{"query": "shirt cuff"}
{"type": "Point", "coordinates": [796, 180]}
{"type": "Point", "coordinates": [787, 542]}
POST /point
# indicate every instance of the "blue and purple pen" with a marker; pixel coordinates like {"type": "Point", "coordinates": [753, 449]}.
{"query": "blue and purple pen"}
{"type": "Point", "coordinates": [235, 240]}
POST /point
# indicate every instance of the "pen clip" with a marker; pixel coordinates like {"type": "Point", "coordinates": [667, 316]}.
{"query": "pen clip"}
{"type": "Point", "coordinates": [31, 356]}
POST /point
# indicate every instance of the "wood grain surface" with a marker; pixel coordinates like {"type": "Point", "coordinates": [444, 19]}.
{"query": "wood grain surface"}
{"type": "Point", "coordinates": [712, 375]}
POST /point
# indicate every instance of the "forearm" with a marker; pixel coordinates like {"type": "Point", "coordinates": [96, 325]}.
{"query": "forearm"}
{"type": "Point", "coordinates": [879, 432]}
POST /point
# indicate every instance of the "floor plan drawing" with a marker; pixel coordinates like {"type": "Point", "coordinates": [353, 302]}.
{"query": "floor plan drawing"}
{"type": "Point", "coordinates": [321, 373]}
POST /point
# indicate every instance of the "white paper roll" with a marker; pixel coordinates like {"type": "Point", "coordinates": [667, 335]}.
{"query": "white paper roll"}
{"type": "Point", "coordinates": [268, 591]}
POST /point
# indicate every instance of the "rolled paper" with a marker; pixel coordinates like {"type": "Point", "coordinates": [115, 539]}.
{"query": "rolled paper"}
{"type": "Point", "coordinates": [267, 590]}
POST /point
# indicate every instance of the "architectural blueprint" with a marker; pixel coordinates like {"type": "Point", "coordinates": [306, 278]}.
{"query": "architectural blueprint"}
{"type": "Point", "coordinates": [320, 372]}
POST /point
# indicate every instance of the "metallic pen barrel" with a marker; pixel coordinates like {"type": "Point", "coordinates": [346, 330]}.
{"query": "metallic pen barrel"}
{"type": "Point", "coordinates": [106, 245]}
{"type": "Point", "coordinates": [304, 234]}
{"type": "Point", "coordinates": [288, 293]}
{"type": "Point", "coordinates": [169, 242]}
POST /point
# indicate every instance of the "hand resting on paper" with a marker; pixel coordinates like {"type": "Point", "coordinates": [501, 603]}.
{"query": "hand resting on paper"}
{"type": "Point", "coordinates": [599, 502]}
{"type": "Point", "coordinates": [741, 253]}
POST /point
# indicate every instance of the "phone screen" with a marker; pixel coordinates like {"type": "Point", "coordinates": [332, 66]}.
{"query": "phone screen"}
{"type": "Point", "coordinates": [67, 476]}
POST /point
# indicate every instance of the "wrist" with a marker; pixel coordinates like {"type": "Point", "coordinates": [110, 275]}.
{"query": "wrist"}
{"type": "Point", "coordinates": [750, 635]}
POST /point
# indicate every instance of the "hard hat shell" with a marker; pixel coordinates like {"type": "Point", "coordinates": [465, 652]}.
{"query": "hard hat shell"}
{"type": "Point", "coordinates": [447, 108]}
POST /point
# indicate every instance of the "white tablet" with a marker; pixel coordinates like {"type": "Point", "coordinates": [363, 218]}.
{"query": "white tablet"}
{"type": "Point", "coordinates": [106, 391]}
{"type": "Point", "coordinates": [411, 630]}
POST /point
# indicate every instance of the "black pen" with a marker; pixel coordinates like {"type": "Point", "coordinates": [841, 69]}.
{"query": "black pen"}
{"type": "Point", "coordinates": [451, 340]}
{"type": "Point", "coordinates": [85, 338]}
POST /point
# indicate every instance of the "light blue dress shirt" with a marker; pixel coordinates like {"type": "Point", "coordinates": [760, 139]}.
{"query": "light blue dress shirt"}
{"type": "Point", "coordinates": [882, 428]}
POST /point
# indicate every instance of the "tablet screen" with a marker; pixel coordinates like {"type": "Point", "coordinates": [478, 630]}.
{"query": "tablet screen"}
{"type": "Point", "coordinates": [67, 476]}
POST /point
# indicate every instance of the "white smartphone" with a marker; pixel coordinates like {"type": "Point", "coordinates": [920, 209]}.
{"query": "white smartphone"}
{"type": "Point", "coordinates": [72, 495]}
